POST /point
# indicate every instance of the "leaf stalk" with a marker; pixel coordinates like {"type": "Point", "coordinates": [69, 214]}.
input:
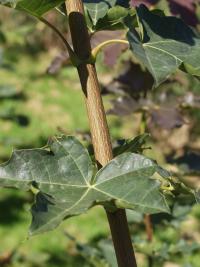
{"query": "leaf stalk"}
{"type": "Point", "coordinates": [99, 48]}
{"type": "Point", "coordinates": [73, 57]}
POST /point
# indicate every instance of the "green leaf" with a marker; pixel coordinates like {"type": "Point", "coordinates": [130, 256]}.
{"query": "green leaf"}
{"type": "Point", "coordinates": [107, 15]}
{"type": "Point", "coordinates": [34, 7]}
{"type": "Point", "coordinates": [62, 176]}
{"type": "Point", "coordinates": [126, 179]}
{"type": "Point", "coordinates": [133, 145]}
{"type": "Point", "coordinates": [164, 44]}
{"type": "Point", "coordinates": [97, 9]}
{"type": "Point", "coordinates": [113, 20]}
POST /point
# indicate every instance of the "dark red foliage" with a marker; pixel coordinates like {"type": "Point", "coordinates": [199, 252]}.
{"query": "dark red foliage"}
{"type": "Point", "coordinates": [167, 118]}
{"type": "Point", "coordinates": [185, 9]}
{"type": "Point", "coordinates": [132, 81]}
{"type": "Point", "coordinates": [145, 2]}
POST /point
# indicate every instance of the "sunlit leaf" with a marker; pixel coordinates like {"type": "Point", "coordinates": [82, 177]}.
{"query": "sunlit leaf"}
{"type": "Point", "coordinates": [63, 179]}
{"type": "Point", "coordinates": [164, 44]}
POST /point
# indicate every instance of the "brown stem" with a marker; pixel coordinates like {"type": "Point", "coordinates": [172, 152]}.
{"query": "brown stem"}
{"type": "Point", "coordinates": [149, 227]}
{"type": "Point", "coordinates": [98, 125]}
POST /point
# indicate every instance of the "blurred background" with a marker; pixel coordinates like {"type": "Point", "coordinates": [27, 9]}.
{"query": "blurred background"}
{"type": "Point", "coordinates": [40, 97]}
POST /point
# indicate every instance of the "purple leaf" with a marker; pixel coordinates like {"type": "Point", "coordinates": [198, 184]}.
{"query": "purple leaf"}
{"type": "Point", "coordinates": [185, 9]}
{"type": "Point", "coordinates": [167, 118]}
{"type": "Point", "coordinates": [132, 81]}
{"type": "Point", "coordinates": [123, 106]}
{"type": "Point", "coordinates": [135, 3]}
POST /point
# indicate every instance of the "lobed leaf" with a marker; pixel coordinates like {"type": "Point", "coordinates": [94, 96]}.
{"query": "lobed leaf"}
{"type": "Point", "coordinates": [63, 177]}
{"type": "Point", "coordinates": [126, 179]}
{"type": "Point", "coordinates": [164, 44]}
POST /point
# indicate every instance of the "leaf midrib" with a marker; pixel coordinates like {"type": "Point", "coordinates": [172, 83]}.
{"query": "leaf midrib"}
{"type": "Point", "coordinates": [102, 192]}
{"type": "Point", "coordinates": [163, 51]}
{"type": "Point", "coordinates": [86, 182]}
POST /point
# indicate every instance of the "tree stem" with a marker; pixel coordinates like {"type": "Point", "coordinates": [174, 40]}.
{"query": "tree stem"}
{"type": "Point", "coordinates": [98, 125]}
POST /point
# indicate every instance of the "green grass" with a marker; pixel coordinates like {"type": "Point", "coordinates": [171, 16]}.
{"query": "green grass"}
{"type": "Point", "coordinates": [50, 104]}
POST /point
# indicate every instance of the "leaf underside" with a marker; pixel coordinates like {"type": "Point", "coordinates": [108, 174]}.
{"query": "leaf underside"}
{"type": "Point", "coordinates": [164, 44]}
{"type": "Point", "coordinates": [63, 174]}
